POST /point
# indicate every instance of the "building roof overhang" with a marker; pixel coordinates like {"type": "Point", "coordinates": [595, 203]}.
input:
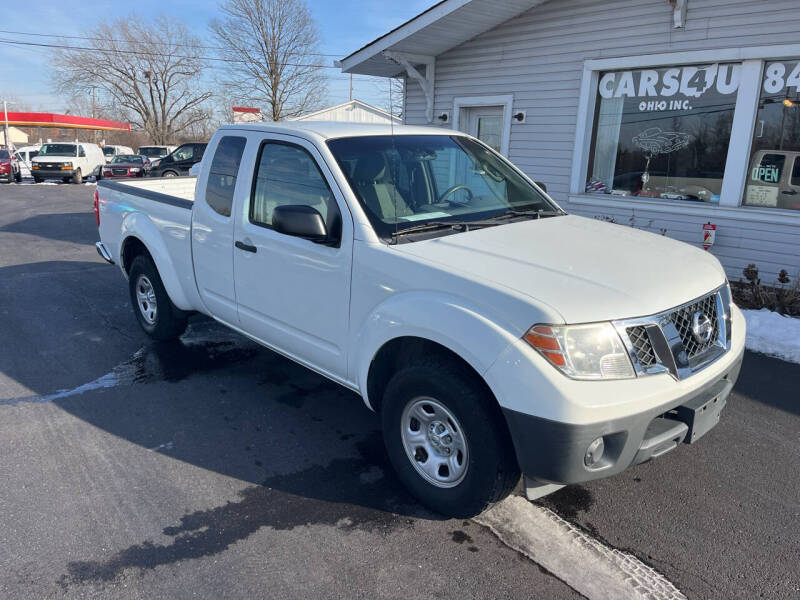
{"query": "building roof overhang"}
{"type": "Point", "coordinates": [443, 26]}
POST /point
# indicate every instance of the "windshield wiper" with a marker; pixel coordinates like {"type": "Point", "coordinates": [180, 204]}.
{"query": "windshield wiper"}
{"type": "Point", "coordinates": [531, 214]}
{"type": "Point", "coordinates": [434, 225]}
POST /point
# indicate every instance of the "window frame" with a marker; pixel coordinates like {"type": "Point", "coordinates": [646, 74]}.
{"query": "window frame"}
{"type": "Point", "coordinates": [256, 167]}
{"type": "Point", "coordinates": [753, 59]}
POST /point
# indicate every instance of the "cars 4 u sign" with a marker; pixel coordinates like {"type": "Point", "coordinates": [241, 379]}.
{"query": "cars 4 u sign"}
{"type": "Point", "coordinates": [709, 232]}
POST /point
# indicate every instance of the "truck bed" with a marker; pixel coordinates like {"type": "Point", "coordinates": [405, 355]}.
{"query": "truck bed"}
{"type": "Point", "coordinates": [180, 188]}
{"type": "Point", "coordinates": [159, 211]}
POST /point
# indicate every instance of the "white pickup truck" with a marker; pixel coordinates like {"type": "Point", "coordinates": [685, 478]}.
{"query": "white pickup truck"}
{"type": "Point", "coordinates": [493, 332]}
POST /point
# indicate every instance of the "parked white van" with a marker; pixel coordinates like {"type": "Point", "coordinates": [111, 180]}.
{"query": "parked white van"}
{"type": "Point", "coordinates": [25, 155]}
{"type": "Point", "coordinates": [67, 161]}
{"type": "Point", "coordinates": [111, 150]}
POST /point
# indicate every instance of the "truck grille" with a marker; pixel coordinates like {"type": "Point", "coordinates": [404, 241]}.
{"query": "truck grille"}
{"type": "Point", "coordinates": [642, 345]}
{"type": "Point", "coordinates": [667, 341]}
{"type": "Point", "coordinates": [682, 319]}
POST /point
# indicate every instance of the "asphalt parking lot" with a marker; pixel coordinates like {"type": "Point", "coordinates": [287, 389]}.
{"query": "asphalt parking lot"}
{"type": "Point", "coordinates": [214, 468]}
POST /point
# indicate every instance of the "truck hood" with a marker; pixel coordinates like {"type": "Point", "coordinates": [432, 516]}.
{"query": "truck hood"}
{"type": "Point", "coordinates": [585, 269]}
{"type": "Point", "coordinates": [53, 158]}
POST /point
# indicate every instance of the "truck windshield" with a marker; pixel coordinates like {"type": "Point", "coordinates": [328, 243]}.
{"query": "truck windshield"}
{"type": "Point", "coordinates": [3, 153]}
{"type": "Point", "coordinates": [59, 150]}
{"type": "Point", "coordinates": [406, 181]}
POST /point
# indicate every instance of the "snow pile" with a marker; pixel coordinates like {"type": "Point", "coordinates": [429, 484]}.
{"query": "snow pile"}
{"type": "Point", "coordinates": [771, 333]}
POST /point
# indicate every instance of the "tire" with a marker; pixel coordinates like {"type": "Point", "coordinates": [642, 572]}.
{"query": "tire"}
{"type": "Point", "coordinates": [169, 174]}
{"type": "Point", "coordinates": [18, 176]}
{"type": "Point", "coordinates": [161, 319]}
{"type": "Point", "coordinates": [37, 180]}
{"type": "Point", "coordinates": [476, 429]}
{"type": "Point", "coordinates": [66, 179]}
{"type": "Point", "coordinates": [77, 177]}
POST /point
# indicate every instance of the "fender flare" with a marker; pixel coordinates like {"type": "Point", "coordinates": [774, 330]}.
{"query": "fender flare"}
{"type": "Point", "coordinates": [447, 320]}
{"type": "Point", "coordinates": [139, 226]}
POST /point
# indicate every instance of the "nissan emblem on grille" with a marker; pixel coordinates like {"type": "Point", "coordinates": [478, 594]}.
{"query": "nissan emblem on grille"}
{"type": "Point", "coordinates": [702, 328]}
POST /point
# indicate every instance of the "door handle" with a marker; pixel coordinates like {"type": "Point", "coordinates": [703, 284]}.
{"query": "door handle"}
{"type": "Point", "coordinates": [245, 247]}
{"type": "Point", "coordinates": [789, 192]}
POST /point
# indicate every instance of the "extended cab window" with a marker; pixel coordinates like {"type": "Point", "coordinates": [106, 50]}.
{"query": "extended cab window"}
{"type": "Point", "coordinates": [223, 172]}
{"type": "Point", "coordinates": [288, 175]}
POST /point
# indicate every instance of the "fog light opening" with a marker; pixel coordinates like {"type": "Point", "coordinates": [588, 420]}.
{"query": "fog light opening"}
{"type": "Point", "coordinates": [594, 453]}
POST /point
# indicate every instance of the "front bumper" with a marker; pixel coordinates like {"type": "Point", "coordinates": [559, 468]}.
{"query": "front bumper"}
{"type": "Point", "coordinates": [553, 452]}
{"type": "Point", "coordinates": [52, 173]}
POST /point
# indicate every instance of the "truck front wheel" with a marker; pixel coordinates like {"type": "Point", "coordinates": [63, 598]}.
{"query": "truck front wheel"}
{"type": "Point", "coordinates": [156, 313]}
{"type": "Point", "coordinates": [446, 438]}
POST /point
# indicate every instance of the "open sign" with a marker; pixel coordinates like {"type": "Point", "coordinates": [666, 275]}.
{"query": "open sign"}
{"type": "Point", "coordinates": [766, 173]}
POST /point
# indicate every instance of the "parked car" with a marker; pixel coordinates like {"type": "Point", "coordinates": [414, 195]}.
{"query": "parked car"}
{"type": "Point", "coordinates": [126, 165]}
{"type": "Point", "coordinates": [493, 332]}
{"type": "Point", "coordinates": [67, 161]}
{"type": "Point", "coordinates": [9, 166]}
{"type": "Point", "coordinates": [179, 161]}
{"type": "Point", "coordinates": [154, 153]}
{"type": "Point", "coordinates": [25, 155]}
{"type": "Point", "coordinates": [111, 150]}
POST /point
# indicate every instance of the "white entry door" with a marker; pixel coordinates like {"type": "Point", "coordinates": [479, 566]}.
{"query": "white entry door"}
{"type": "Point", "coordinates": [484, 123]}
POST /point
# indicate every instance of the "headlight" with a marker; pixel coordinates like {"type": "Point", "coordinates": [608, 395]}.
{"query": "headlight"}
{"type": "Point", "coordinates": [135, 169]}
{"type": "Point", "coordinates": [66, 166]}
{"type": "Point", "coordinates": [583, 351]}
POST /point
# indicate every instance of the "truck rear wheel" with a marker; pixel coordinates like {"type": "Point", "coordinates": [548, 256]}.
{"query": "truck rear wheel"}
{"type": "Point", "coordinates": [156, 313]}
{"type": "Point", "coordinates": [446, 438]}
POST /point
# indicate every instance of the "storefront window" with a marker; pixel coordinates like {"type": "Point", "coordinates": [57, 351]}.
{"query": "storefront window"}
{"type": "Point", "coordinates": [663, 133]}
{"type": "Point", "coordinates": [774, 177]}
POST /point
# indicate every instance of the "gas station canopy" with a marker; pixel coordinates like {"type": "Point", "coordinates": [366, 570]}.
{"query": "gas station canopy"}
{"type": "Point", "coordinates": [35, 119]}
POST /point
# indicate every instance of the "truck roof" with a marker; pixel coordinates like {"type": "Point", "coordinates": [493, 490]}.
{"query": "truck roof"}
{"type": "Point", "coordinates": [338, 129]}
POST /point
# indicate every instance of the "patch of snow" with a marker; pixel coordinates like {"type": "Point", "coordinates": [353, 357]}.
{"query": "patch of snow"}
{"type": "Point", "coordinates": [771, 333]}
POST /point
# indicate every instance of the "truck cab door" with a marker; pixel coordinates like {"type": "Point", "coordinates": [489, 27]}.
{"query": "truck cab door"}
{"type": "Point", "coordinates": [293, 294]}
{"type": "Point", "coordinates": [213, 228]}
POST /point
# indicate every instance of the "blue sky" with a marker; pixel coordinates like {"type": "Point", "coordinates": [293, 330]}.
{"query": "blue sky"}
{"type": "Point", "coordinates": [345, 25]}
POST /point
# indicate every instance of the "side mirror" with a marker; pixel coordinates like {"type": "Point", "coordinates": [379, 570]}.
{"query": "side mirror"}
{"type": "Point", "coordinates": [541, 185]}
{"type": "Point", "coordinates": [301, 221]}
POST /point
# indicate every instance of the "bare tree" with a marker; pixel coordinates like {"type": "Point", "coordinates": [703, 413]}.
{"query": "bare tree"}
{"type": "Point", "coordinates": [271, 46]}
{"type": "Point", "coordinates": [148, 74]}
{"type": "Point", "coordinates": [395, 96]}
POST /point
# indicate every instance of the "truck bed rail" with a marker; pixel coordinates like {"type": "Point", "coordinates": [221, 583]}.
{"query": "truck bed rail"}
{"type": "Point", "coordinates": [135, 188]}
